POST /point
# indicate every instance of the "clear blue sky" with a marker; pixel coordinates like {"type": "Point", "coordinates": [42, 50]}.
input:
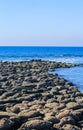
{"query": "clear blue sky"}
{"type": "Point", "coordinates": [41, 22]}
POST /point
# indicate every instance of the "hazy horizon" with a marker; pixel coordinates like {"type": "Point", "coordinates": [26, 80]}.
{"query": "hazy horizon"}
{"type": "Point", "coordinates": [41, 23]}
{"type": "Point", "coordinates": [36, 46]}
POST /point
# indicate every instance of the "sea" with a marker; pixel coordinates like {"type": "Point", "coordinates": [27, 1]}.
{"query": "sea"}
{"type": "Point", "coordinates": [59, 54]}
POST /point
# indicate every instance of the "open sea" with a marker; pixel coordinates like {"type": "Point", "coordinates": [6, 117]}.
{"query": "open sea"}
{"type": "Point", "coordinates": [61, 54]}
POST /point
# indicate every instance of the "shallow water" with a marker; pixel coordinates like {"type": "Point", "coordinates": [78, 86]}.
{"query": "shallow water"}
{"type": "Point", "coordinates": [74, 75]}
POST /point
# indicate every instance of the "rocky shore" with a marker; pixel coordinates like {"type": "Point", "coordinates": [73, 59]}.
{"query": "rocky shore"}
{"type": "Point", "coordinates": [33, 99]}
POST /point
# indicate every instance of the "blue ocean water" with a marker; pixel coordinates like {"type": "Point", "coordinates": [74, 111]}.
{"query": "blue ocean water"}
{"type": "Point", "coordinates": [61, 54]}
{"type": "Point", "coordinates": [64, 54]}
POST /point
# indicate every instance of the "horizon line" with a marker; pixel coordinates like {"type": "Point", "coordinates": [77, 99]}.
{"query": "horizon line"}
{"type": "Point", "coordinates": [35, 46]}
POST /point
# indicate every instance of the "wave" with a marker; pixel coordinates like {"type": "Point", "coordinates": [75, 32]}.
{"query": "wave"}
{"type": "Point", "coordinates": [18, 56]}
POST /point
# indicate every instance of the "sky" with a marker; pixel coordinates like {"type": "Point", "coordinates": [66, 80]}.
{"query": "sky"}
{"type": "Point", "coordinates": [41, 22]}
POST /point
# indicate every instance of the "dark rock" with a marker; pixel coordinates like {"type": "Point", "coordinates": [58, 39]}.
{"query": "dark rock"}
{"type": "Point", "coordinates": [36, 124]}
{"type": "Point", "coordinates": [6, 124]}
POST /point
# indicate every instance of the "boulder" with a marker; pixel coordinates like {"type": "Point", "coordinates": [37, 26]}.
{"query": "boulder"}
{"type": "Point", "coordinates": [6, 124]}
{"type": "Point", "coordinates": [36, 124]}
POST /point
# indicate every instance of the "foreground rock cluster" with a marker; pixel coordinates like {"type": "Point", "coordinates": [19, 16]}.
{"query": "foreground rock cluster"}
{"type": "Point", "coordinates": [33, 99]}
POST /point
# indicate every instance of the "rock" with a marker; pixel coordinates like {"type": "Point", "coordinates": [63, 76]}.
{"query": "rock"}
{"type": "Point", "coordinates": [57, 127]}
{"type": "Point", "coordinates": [51, 105]}
{"type": "Point", "coordinates": [17, 121]}
{"type": "Point", "coordinates": [60, 98]}
{"type": "Point", "coordinates": [67, 120]}
{"type": "Point", "coordinates": [2, 91]}
{"type": "Point", "coordinates": [74, 105]}
{"type": "Point", "coordinates": [2, 107]}
{"type": "Point", "coordinates": [79, 100]}
{"type": "Point", "coordinates": [3, 79]}
{"type": "Point", "coordinates": [6, 114]}
{"type": "Point", "coordinates": [77, 115]}
{"type": "Point", "coordinates": [70, 127]}
{"type": "Point", "coordinates": [51, 119]}
{"type": "Point", "coordinates": [36, 124]}
{"type": "Point", "coordinates": [29, 114]}
{"type": "Point", "coordinates": [62, 81]}
{"type": "Point", "coordinates": [80, 124]}
{"type": "Point", "coordinates": [64, 121]}
{"type": "Point", "coordinates": [15, 109]}
{"type": "Point", "coordinates": [6, 124]}
{"type": "Point", "coordinates": [62, 114]}
{"type": "Point", "coordinates": [29, 85]}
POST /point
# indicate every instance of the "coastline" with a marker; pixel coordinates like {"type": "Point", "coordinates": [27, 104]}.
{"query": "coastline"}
{"type": "Point", "coordinates": [31, 98]}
